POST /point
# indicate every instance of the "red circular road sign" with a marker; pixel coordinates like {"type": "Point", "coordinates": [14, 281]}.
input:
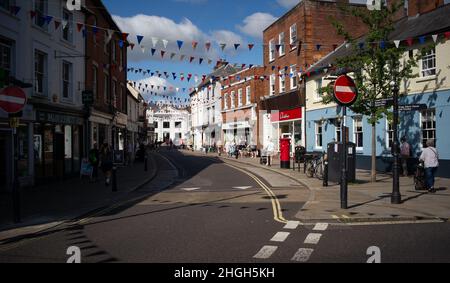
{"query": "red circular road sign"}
{"type": "Point", "coordinates": [345, 91]}
{"type": "Point", "coordinates": [12, 99]}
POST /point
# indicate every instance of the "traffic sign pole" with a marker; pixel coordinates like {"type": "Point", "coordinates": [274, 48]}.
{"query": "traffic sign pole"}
{"type": "Point", "coordinates": [345, 94]}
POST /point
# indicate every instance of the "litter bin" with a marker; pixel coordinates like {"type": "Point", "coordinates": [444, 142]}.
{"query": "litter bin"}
{"type": "Point", "coordinates": [335, 161]}
{"type": "Point", "coordinates": [285, 153]}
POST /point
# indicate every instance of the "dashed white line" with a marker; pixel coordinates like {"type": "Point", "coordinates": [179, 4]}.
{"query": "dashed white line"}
{"type": "Point", "coordinates": [313, 239]}
{"type": "Point", "coordinates": [266, 252]}
{"type": "Point", "coordinates": [243, 188]}
{"type": "Point", "coordinates": [321, 227]}
{"type": "Point", "coordinates": [292, 225]}
{"type": "Point", "coordinates": [302, 255]}
{"type": "Point", "coordinates": [190, 189]}
{"type": "Point", "coordinates": [280, 237]}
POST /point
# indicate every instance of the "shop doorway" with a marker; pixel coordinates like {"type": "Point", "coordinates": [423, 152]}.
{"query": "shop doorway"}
{"type": "Point", "coordinates": [59, 155]}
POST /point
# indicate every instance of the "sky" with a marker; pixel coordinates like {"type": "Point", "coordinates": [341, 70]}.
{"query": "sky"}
{"type": "Point", "coordinates": [216, 21]}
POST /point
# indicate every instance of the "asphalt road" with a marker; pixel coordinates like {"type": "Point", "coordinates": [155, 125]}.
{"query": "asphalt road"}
{"type": "Point", "coordinates": [200, 210]}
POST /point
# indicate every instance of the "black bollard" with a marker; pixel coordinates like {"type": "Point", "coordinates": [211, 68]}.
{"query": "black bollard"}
{"type": "Point", "coordinates": [114, 179]}
{"type": "Point", "coordinates": [325, 174]}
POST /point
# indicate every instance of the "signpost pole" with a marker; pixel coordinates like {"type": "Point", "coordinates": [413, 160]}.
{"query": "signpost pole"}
{"type": "Point", "coordinates": [344, 183]}
{"type": "Point", "coordinates": [396, 196]}
{"type": "Point", "coordinates": [16, 184]}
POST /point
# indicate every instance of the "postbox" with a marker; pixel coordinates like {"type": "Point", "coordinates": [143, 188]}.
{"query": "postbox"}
{"type": "Point", "coordinates": [285, 153]}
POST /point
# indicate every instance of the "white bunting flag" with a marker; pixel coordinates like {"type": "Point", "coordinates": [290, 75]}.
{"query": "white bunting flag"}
{"type": "Point", "coordinates": [397, 43]}
{"type": "Point", "coordinates": [435, 37]}
{"type": "Point", "coordinates": [165, 42]}
{"type": "Point", "coordinates": [143, 48]}
{"type": "Point", "coordinates": [154, 41]}
{"type": "Point", "coordinates": [110, 34]}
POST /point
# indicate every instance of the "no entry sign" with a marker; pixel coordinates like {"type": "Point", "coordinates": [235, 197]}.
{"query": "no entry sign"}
{"type": "Point", "coordinates": [345, 91]}
{"type": "Point", "coordinates": [12, 99]}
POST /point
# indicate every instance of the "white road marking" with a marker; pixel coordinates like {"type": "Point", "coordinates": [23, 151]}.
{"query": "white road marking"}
{"type": "Point", "coordinates": [243, 188]}
{"type": "Point", "coordinates": [335, 216]}
{"type": "Point", "coordinates": [190, 189]}
{"type": "Point", "coordinates": [321, 227]}
{"type": "Point", "coordinates": [266, 252]}
{"type": "Point", "coordinates": [302, 255]}
{"type": "Point", "coordinates": [345, 216]}
{"type": "Point", "coordinates": [280, 237]}
{"type": "Point", "coordinates": [292, 225]}
{"type": "Point", "coordinates": [313, 239]}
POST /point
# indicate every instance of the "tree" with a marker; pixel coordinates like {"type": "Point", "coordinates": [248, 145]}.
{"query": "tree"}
{"type": "Point", "coordinates": [374, 63]}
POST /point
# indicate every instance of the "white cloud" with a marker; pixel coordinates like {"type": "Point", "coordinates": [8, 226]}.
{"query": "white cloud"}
{"type": "Point", "coordinates": [288, 3]}
{"type": "Point", "coordinates": [156, 81]}
{"type": "Point", "coordinates": [164, 28]}
{"type": "Point", "coordinates": [255, 24]}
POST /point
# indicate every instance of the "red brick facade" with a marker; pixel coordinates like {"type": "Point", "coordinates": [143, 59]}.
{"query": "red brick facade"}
{"type": "Point", "coordinates": [101, 59]}
{"type": "Point", "coordinates": [316, 37]}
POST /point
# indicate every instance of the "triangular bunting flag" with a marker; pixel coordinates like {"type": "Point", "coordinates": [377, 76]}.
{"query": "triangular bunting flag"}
{"type": "Point", "coordinates": [162, 53]}
{"type": "Point", "coordinates": [143, 48]}
{"type": "Point", "coordinates": [236, 46]}
{"type": "Point", "coordinates": [33, 14]}
{"type": "Point", "coordinates": [397, 43]}
{"type": "Point", "coordinates": [15, 10]}
{"type": "Point", "coordinates": [250, 47]}
{"type": "Point", "coordinates": [201, 61]}
{"type": "Point", "coordinates": [110, 34]}
{"type": "Point", "coordinates": [435, 37]}
{"type": "Point", "coordinates": [422, 39]}
{"type": "Point", "coordinates": [153, 51]}
{"type": "Point", "coordinates": [223, 46]}
{"type": "Point", "coordinates": [48, 19]}
{"type": "Point", "coordinates": [410, 41]}
{"type": "Point", "coordinates": [180, 44]}
{"type": "Point", "coordinates": [139, 38]}
{"type": "Point", "coordinates": [154, 41]}
{"type": "Point", "coordinates": [172, 56]}
{"type": "Point", "coordinates": [208, 46]}
{"type": "Point", "coordinates": [447, 34]}
{"type": "Point", "coordinates": [125, 36]}
{"type": "Point", "coordinates": [57, 24]}
{"type": "Point", "coordinates": [79, 26]}
{"type": "Point", "coordinates": [194, 44]}
{"type": "Point", "coordinates": [191, 59]}
{"type": "Point", "coordinates": [165, 42]}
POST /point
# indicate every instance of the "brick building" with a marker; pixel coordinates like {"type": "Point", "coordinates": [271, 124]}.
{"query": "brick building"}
{"type": "Point", "coordinates": [241, 95]}
{"type": "Point", "coordinates": [106, 77]}
{"type": "Point", "coordinates": [291, 44]}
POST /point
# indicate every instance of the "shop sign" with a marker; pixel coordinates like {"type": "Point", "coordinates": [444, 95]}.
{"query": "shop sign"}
{"type": "Point", "coordinates": [288, 115]}
{"type": "Point", "coordinates": [58, 118]}
{"type": "Point", "coordinates": [121, 119]}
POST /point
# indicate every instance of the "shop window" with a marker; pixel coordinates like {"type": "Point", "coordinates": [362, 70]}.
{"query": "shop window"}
{"type": "Point", "coordinates": [428, 121]}
{"type": "Point", "coordinates": [429, 63]}
{"type": "Point", "coordinates": [318, 89]}
{"type": "Point", "coordinates": [358, 135]}
{"type": "Point", "coordinates": [225, 101]}
{"type": "Point", "coordinates": [68, 149]}
{"type": "Point", "coordinates": [319, 134]}
{"type": "Point", "coordinates": [7, 4]}
{"type": "Point", "coordinates": [233, 96]}
{"type": "Point", "coordinates": [177, 125]}
{"type": "Point", "coordinates": [6, 55]}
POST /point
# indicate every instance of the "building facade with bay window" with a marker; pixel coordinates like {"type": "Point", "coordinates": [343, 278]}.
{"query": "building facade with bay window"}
{"type": "Point", "coordinates": [430, 88]}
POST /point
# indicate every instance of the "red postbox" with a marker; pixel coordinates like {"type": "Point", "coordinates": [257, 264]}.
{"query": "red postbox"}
{"type": "Point", "coordinates": [285, 153]}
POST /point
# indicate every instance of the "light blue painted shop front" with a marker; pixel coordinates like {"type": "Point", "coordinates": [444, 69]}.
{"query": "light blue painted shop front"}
{"type": "Point", "coordinates": [416, 126]}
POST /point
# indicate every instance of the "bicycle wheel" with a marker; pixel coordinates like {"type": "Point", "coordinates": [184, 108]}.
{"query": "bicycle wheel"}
{"type": "Point", "coordinates": [310, 170]}
{"type": "Point", "coordinates": [319, 171]}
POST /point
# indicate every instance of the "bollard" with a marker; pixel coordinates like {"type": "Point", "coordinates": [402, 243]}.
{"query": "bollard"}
{"type": "Point", "coordinates": [114, 179]}
{"type": "Point", "coordinates": [325, 174]}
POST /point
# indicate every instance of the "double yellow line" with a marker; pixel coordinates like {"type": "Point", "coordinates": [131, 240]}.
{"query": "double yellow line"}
{"type": "Point", "coordinates": [276, 206]}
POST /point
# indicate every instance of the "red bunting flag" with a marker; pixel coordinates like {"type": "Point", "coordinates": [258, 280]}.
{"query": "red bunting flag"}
{"type": "Point", "coordinates": [191, 59]}
{"type": "Point", "coordinates": [162, 53]}
{"type": "Point", "coordinates": [79, 26]}
{"type": "Point", "coordinates": [33, 14]}
{"type": "Point", "coordinates": [194, 44]}
{"type": "Point", "coordinates": [410, 41]}
{"type": "Point", "coordinates": [447, 35]}
{"type": "Point", "coordinates": [132, 46]}
{"type": "Point", "coordinates": [124, 36]}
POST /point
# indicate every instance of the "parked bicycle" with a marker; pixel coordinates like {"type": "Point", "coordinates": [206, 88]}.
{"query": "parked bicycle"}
{"type": "Point", "coordinates": [315, 167]}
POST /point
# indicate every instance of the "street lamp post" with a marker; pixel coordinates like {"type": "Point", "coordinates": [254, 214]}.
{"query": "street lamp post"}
{"type": "Point", "coordinates": [396, 196]}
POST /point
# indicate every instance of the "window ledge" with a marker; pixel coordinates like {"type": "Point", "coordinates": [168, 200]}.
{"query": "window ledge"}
{"type": "Point", "coordinates": [426, 79]}
{"type": "Point", "coordinates": [9, 14]}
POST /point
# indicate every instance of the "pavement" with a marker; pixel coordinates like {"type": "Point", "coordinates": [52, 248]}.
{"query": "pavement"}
{"type": "Point", "coordinates": [51, 205]}
{"type": "Point", "coordinates": [367, 202]}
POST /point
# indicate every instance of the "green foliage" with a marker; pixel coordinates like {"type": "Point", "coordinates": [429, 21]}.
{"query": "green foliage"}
{"type": "Point", "coordinates": [375, 61]}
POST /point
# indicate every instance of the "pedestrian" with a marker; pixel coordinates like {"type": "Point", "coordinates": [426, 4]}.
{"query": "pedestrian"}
{"type": "Point", "coordinates": [405, 152]}
{"type": "Point", "coordinates": [106, 159]}
{"type": "Point", "coordinates": [430, 157]}
{"type": "Point", "coordinates": [270, 149]}
{"type": "Point", "coordinates": [94, 160]}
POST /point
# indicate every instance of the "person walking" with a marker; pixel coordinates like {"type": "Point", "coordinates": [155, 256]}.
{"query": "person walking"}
{"type": "Point", "coordinates": [270, 149]}
{"type": "Point", "coordinates": [94, 160]}
{"type": "Point", "coordinates": [405, 152]}
{"type": "Point", "coordinates": [106, 159]}
{"type": "Point", "coordinates": [430, 157]}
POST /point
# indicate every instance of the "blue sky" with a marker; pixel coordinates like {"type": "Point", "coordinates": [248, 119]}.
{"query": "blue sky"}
{"type": "Point", "coordinates": [215, 21]}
